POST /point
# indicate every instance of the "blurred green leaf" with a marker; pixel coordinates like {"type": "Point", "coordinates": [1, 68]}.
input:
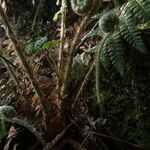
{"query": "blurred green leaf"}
{"type": "Point", "coordinates": [41, 44]}
{"type": "Point", "coordinates": [50, 44]}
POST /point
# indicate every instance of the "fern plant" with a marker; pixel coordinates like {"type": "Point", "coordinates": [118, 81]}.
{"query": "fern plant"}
{"type": "Point", "coordinates": [131, 14]}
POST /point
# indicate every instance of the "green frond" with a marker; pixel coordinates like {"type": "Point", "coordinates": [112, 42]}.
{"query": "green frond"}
{"type": "Point", "coordinates": [29, 49]}
{"type": "Point", "coordinates": [50, 44]}
{"type": "Point", "coordinates": [39, 43]}
{"type": "Point", "coordinates": [112, 51]}
{"type": "Point", "coordinates": [35, 46]}
{"type": "Point", "coordinates": [115, 51]}
{"type": "Point", "coordinates": [8, 113]}
{"type": "Point", "coordinates": [130, 32]}
{"type": "Point", "coordinates": [139, 8]}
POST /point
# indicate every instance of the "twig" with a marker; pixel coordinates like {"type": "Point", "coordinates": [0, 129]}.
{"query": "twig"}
{"type": "Point", "coordinates": [117, 139]}
{"type": "Point", "coordinates": [112, 138]}
{"type": "Point", "coordinates": [84, 140]}
{"type": "Point", "coordinates": [10, 63]}
{"type": "Point", "coordinates": [6, 60]}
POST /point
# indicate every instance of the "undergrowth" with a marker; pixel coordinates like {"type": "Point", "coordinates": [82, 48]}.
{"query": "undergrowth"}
{"type": "Point", "coordinates": [87, 87]}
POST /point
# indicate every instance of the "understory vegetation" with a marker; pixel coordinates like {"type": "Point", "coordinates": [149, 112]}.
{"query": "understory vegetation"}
{"type": "Point", "coordinates": [74, 74]}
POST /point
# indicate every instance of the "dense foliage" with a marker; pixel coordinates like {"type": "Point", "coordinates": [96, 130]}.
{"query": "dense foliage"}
{"type": "Point", "coordinates": [74, 74]}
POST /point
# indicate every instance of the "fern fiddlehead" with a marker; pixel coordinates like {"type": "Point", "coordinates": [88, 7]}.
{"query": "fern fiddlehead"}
{"type": "Point", "coordinates": [83, 7]}
{"type": "Point", "coordinates": [113, 22]}
{"type": "Point", "coordinates": [108, 22]}
{"type": "Point", "coordinates": [8, 113]}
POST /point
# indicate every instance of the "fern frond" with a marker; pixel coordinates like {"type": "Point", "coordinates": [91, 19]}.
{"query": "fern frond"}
{"type": "Point", "coordinates": [130, 32]}
{"type": "Point", "coordinates": [115, 51]}
{"type": "Point", "coordinates": [139, 8]}
{"type": "Point", "coordinates": [35, 46]}
{"type": "Point", "coordinates": [39, 43]}
{"type": "Point", "coordinates": [30, 48]}
{"type": "Point", "coordinates": [111, 51]}
{"type": "Point", "coordinates": [131, 12]}
{"type": "Point", "coordinates": [50, 44]}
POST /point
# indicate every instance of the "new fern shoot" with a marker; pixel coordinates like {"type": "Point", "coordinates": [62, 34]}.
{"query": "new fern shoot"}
{"type": "Point", "coordinates": [8, 113]}
{"type": "Point", "coordinates": [108, 23]}
{"type": "Point", "coordinates": [84, 7]}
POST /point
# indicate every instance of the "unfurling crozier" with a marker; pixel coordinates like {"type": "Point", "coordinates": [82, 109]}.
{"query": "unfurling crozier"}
{"type": "Point", "coordinates": [83, 7]}
{"type": "Point", "coordinates": [7, 112]}
{"type": "Point", "coordinates": [108, 22]}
